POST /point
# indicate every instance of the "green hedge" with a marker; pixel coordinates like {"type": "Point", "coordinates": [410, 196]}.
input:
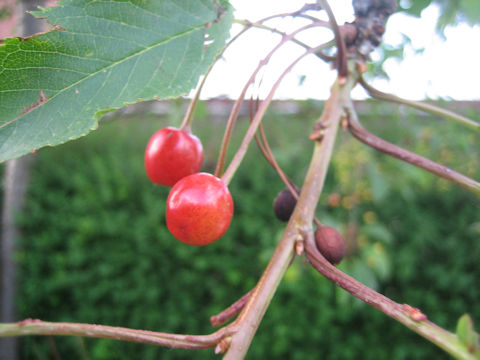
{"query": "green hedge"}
{"type": "Point", "coordinates": [95, 247]}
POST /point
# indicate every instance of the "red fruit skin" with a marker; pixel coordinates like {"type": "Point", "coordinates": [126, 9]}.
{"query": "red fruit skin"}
{"type": "Point", "coordinates": [199, 209]}
{"type": "Point", "coordinates": [172, 154]}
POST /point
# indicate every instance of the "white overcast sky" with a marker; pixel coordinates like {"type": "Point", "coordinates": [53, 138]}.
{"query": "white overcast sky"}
{"type": "Point", "coordinates": [446, 69]}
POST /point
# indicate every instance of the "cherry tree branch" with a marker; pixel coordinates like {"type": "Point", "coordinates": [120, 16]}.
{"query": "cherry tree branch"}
{"type": "Point", "coordinates": [432, 109]}
{"type": "Point", "coordinates": [409, 316]}
{"type": "Point", "coordinates": [231, 311]}
{"type": "Point", "coordinates": [38, 327]}
{"type": "Point", "coordinates": [261, 25]}
{"type": "Point", "coordinates": [341, 48]}
{"type": "Point", "coordinates": [393, 150]}
{"type": "Point", "coordinates": [299, 13]}
{"type": "Point", "coordinates": [300, 224]}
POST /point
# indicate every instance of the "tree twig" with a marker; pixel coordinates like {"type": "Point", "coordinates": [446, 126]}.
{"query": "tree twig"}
{"type": "Point", "coordinates": [231, 311]}
{"type": "Point", "coordinates": [429, 108]}
{"type": "Point", "coordinates": [409, 316]}
{"type": "Point", "coordinates": [242, 149]}
{"type": "Point", "coordinates": [187, 120]}
{"type": "Point", "coordinates": [261, 25]}
{"type": "Point", "coordinates": [393, 150]}
{"type": "Point", "coordinates": [38, 327]}
{"type": "Point", "coordinates": [236, 106]}
{"type": "Point", "coordinates": [341, 48]}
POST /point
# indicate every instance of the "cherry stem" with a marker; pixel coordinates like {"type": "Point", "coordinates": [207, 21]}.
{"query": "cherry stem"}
{"type": "Point", "coordinates": [267, 153]}
{"type": "Point", "coordinates": [38, 327]}
{"type": "Point", "coordinates": [429, 108]}
{"type": "Point", "coordinates": [393, 150]}
{"type": "Point", "coordinates": [298, 13]}
{"type": "Point", "coordinates": [242, 150]}
{"type": "Point", "coordinates": [341, 48]}
{"type": "Point", "coordinates": [260, 25]}
{"type": "Point", "coordinates": [411, 317]}
{"type": "Point", "coordinates": [187, 120]}
{"type": "Point", "coordinates": [236, 106]}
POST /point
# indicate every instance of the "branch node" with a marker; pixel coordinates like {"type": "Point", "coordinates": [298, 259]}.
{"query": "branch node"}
{"type": "Point", "coordinates": [414, 313]}
{"type": "Point", "coordinates": [317, 135]}
{"type": "Point", "coordinates": [299, 245]}
{"type": "Point", "coordinates": [342, 80]}
{"type": "Point", "coordinates": [28, 321]}
{"type": "Point", "coordinates": [223, 345]}
{"type": "Point", "coordinates": [344, 123]}
{"type": "Point", "coordinates": [361, 67]}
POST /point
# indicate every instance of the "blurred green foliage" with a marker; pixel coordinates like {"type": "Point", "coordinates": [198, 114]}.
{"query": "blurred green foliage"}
{"type": "Point", "coordinates": [451, 12]}
{"type": "Point", "coordinates": [95, 247]}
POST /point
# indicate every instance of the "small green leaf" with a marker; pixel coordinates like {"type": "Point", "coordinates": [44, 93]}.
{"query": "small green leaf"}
{"type": "Point", "coordinates": [466, 333]}
{"type": "Point", "coordinates": [101, 56]}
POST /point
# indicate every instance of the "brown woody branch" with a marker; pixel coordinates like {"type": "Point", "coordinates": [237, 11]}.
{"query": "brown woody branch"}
{"type": "Point", "coordinates": [409, 316]}
{"type": "Point", "coordinates": [231, 311]}
{"type": "Point", "coordinates": [429, 108]}
{"type": "Point", "coordinates": [377, 143]}
{"type": "Point", "coordinates": [299, 224]}
{"type": "Point", "coordinates": [38, 327]}
{"type": "Point", "coordinates": [341, 48]}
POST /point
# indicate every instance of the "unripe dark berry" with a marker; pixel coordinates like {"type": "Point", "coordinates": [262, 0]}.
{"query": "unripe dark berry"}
{"type": "Point", "coordinates": [284, 204]}
{"type": "Point", "coordinates": [330, 244]}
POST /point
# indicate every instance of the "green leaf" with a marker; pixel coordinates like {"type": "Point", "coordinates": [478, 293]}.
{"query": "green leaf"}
{"type": "Point", "coordinates": [101, 56]}
{"type": "Point", "coordinates": [466, 333]}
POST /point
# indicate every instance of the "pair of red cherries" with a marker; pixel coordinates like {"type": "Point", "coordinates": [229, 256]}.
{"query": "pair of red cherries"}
{"type": "Point", "coordinates": [199, 205]}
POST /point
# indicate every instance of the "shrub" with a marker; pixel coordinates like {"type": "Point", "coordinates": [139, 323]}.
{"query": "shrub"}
{"type": "Point", "coordinates": [95, 248]}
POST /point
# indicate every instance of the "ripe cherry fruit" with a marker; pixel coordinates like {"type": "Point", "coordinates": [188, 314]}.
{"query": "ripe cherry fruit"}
{"type": "Point", "coordinates": [199, 209]}
{"type": "Point", "coordinates": [172, 154]}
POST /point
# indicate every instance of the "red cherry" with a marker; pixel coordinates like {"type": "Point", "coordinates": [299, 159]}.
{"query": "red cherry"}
{"type": "Point", "coordinates": [199, 209]}
{"type": "Point", "coordinates": [172, 154]}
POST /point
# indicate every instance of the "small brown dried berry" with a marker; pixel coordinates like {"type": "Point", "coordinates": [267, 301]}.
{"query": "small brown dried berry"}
{"type": "Point", "coordinates": [284, 204]}
{"type": "Point", "coordinates": [330, 244]}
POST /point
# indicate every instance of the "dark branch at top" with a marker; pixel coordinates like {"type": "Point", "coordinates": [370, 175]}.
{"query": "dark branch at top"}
{"type": "Point", "coordinates": [365, 33]}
